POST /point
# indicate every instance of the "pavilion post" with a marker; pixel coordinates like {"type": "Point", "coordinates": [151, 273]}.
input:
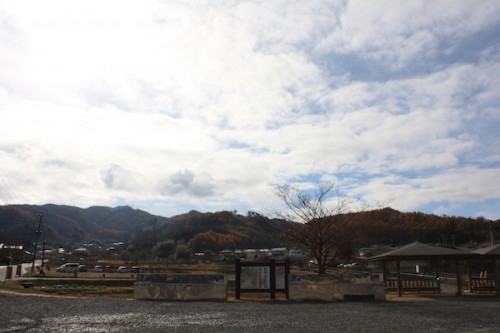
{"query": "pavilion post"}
{"type": "Point", "coordinates": [459, 278]}
{"type": "Point", "coordinates": [398, 268]}
{"type": "Point", "coordinates": [435, 263]}
{"type": "Point", "coordinates": [497, 278]}
{"type": "Point", "coordinates": [470, 275]}
{"type": "Point", "coordinates": [384, 272]}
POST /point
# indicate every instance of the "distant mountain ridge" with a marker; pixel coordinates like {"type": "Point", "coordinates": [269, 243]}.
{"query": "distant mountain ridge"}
{"type": "Point", "coordinates": [69, 226]}
{"type": "Point", "coordinates": [64, 223]}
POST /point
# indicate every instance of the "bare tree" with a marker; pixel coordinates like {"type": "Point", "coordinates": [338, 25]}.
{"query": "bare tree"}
{"type": "Point", "coordinates": [317, 224]}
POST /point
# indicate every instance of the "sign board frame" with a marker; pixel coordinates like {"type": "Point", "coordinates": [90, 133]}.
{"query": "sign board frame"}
{"type": "Point", "coordinates": [269, 277]}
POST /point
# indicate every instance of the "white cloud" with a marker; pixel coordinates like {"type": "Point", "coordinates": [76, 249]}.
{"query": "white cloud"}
{"type": "Point", "coordinates": [454, 185]}
{"type": "Point", "coordinates": [399, 33]}
{"type": "Point", "coordinates": [177, 105]}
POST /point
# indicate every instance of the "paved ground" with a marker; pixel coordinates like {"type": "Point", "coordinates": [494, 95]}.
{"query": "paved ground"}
{"type": "Point", "coordinates": [409, 314]}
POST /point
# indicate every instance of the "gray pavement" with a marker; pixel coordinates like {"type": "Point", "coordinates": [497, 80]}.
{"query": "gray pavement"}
{"type": "Point", "coordinates": [437, 314]}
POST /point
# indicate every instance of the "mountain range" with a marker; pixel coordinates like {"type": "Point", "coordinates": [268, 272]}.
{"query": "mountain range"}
{"type": "Point", "coordinates": [70, 226]}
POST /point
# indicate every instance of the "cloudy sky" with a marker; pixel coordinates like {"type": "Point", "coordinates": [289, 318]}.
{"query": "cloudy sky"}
{"type": "Point", "coordinates": [169, 106]}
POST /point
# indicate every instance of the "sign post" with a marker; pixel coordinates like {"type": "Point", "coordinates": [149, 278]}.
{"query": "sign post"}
{"type": "Point", "coordinates": [262, 278]}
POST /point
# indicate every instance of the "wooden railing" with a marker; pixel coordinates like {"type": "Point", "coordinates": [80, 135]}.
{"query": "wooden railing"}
{"type": "Point", "coordinates": [414, 285]}
{"type": "Point", "coordinates": [482, 284]}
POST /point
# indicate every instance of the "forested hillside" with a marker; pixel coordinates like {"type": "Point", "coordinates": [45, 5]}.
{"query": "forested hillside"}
{"type": "Point", "coordinates": [391, 227]}
{"type": "Point", "coordinates": [227, 230]}
{"type": "Point", "coordinates": [71, 225]}
{"type": "Point", "coordinates": [224, 230]}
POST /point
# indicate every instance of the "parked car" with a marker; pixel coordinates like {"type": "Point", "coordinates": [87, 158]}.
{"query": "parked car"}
{"type": "Point", "coordinates": [98, 269]}
{"type": "Point", "coordinates": [82, 268]}
{"type": "Point", "coordinates": [122, 269]}
{"type": "Point", "coordinates": [135, 269]}
{"type": "Point", "coordinates": [68, 268]}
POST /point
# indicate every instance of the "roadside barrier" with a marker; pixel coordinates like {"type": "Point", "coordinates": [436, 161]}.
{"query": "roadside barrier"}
{"type": "Point", "coordinates": [180, 287]}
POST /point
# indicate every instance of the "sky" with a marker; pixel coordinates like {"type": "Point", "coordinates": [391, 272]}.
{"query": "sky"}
{"type": "Point", "coordinates": [170, 106]}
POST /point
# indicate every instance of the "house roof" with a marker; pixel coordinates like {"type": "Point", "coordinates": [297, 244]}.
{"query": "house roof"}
{"type": "Point", "coordinates": [420, 251]}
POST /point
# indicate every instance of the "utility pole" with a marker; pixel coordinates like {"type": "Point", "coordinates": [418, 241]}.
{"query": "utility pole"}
{"type": "Point", "coordinates": [38, 231]}
{"type": "Point", "coordinates": [43, 255]}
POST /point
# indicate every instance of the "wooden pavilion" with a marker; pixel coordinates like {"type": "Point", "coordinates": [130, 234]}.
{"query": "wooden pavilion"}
{"type": "Point", "coordinates": [419, 252]}
{"type": "Point", "coordinates": [489, 255]}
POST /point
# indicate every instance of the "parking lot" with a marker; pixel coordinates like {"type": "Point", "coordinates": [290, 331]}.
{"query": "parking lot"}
{"type": "Point", "coordinates": [436, 314]}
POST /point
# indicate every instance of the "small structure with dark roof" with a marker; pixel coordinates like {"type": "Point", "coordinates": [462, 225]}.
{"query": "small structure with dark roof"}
{"type": "Point", "coordinates": [418, 251]}
{"type": "Point", "coordinates": [491, 255]}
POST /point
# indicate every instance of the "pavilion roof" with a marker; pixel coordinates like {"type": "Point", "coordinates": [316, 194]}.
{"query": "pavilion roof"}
{"type": "Point", "coordinates": [421, 251]}
{"type": "Point", "coordinates": [493, 250]}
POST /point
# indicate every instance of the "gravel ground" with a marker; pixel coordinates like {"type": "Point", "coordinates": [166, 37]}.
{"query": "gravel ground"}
{"type": "Point", "coordinates": [437, 314]}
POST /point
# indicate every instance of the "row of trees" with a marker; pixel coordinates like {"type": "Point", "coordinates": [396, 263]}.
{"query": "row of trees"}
{"type": "Point", "coordinates": [168, 248]}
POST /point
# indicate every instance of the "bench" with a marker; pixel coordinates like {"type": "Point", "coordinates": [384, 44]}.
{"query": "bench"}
{"type": "Point", "coordinates": [414, 285]}
{"type": "Point", "coordinates": [482, 284]}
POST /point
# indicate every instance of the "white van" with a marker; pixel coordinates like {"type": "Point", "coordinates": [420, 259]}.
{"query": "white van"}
{"type": "Point", "coordinates": [68, 268]}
